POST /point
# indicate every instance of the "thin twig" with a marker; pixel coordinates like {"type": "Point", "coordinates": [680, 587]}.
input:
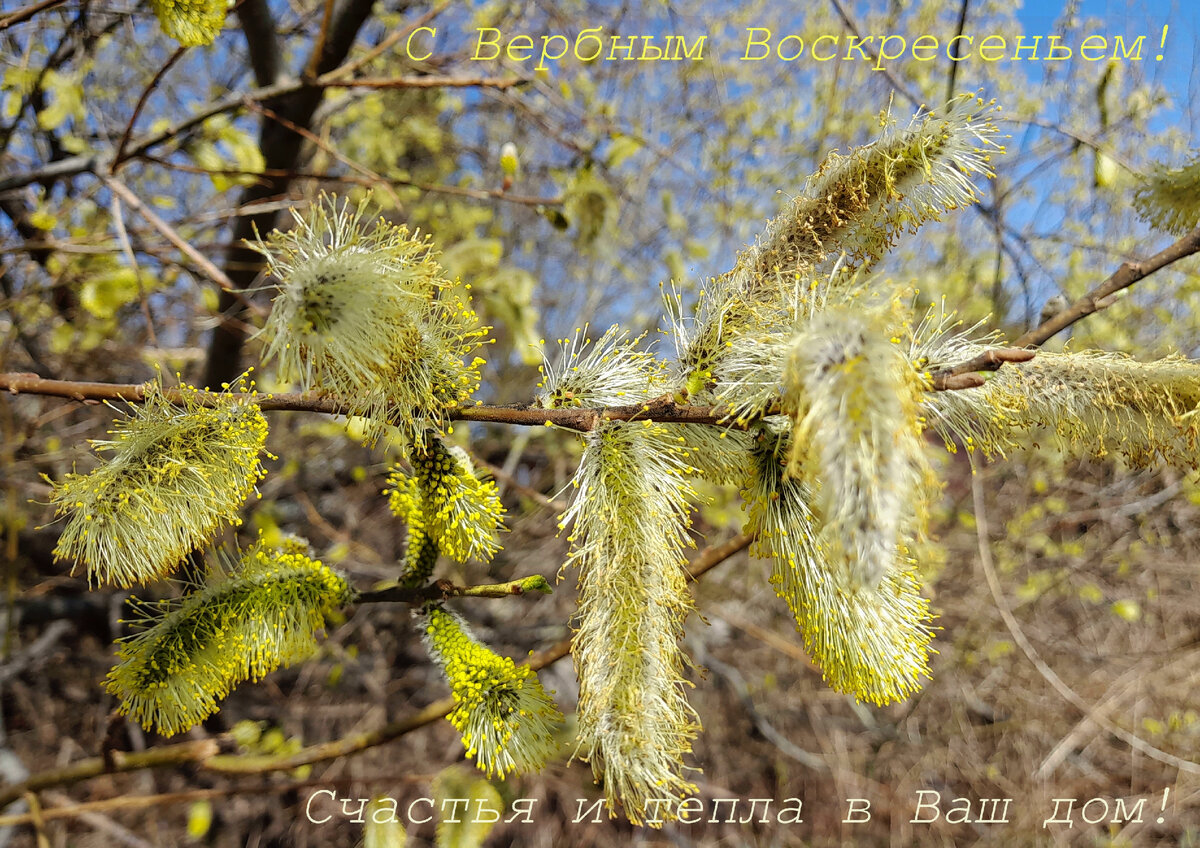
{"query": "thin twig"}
{"type": "Point", "coordinates": [887, 72]}
{"type": "Point", "coordinates": [964, 375]}
{"type": "Point", "coordinates": [386, 44]}
{"type": "Point", "coordinates": [1101, 297]}
{"type": "Point", "coordinates": [1014, 628]}
{"type": "Point", "coordinates": [424, 81]}
{"type": "Point", "coordinates": [161, 757]}
{"type": "Point", "coordinates": [168, 232]}
{"type": "Point", "coordinates": [443, 589]}
{"type": "Point", "coordinates": [119, 156]}
{"type": "Point", "coordinates": [118, 216]}
{"type": "Point", "coordinates": [953, 78]}
{"type": "Point", "coordinates": [303, 132]}
{"type": "Point", "coordinates": [22, 15]}
{"type": "Point", "coordinates": [314, 61]}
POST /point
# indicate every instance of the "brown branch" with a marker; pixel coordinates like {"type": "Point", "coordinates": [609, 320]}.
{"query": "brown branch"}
{"type": "Point", "coordinates": [22, 15]}
{"type": "Point", "coordinates": [424, 81]}
{"type": "Point", "coordinates": [443, 589]}
{"type": "Point", "coordinates": [312, 68]}
{"type": "Point", "coordinates": [119, 156]}
{"type": "Point", "coordinates": [122, 761]}
{"type": "Point", "coordinates": [953, 78]}
{"type": "Point", "coordinates": [168, 232]}
{"type": "Point", "coordinates": [887, 72]}
{"type": "Point", "coordinates": [663, 410]}
{"type": "Point", "coordinates": [1101, 297]}
{"type": "Point", "coordinates": [173, 799]}
{"type": "Point", "coordinates": [433, 188]}
{"type": "Point", "coordinates": [965, 375]}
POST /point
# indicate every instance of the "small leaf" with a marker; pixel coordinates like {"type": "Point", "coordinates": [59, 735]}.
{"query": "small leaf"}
{"type": "Point", "coordinates": [382, 828]}
{"type": "Point", "coordinates": [199, 820]}
{"type": "Point", "coordinates": [1128, 609]}
{"type": "Point", "coordinates": [463, 830]}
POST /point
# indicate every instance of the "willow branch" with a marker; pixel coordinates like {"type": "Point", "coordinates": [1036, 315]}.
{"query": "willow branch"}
{"type": "Point", "coordinates": [966, 375]}
{"type": "Point", "coordinates": [121, 761]}
{"type": "Point", "coordinates": [663, 409]}
{"type": "Point", "coordinates": [24, 14]}
{"type": "Point", "coordinates": [1101, 297]}
{"type": "Point", "coordinates": [443, 589]}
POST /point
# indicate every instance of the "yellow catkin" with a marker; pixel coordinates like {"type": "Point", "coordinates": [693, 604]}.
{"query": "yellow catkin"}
{"type": "Point", "coordinates": [629, 519]}
{"type": "Point", "coordinates": [507, 721]}
{"type": "Point", "coordinates": [188, 655]}
{"type": "Point", "coordinates": [177, 471]}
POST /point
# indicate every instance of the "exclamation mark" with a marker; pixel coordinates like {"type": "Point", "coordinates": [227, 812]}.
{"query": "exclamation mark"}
{"type": "Point", "coordinates": [1164, 804]}
{"type": "Point", "coordinates": [1163, 45]}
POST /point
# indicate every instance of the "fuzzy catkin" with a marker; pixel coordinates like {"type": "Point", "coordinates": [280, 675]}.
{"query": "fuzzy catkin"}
{"type": "Point", "coordinates": [1102, 403]}
{"type": "Point", "coordinates": [848, 215]}
{"type": "Point", "coordinates": [445, 504]}
{"type": "Point", "coordinates": [1169, 198]}
{"type": "Point", "coordinates": [855, 401]}
{"type": "Point", "coordinates": [189, 654]}
{"type": "Point", "coordinates": [192, 23]}
{"type": "Point", "coordinates": [507, 720]}
{"type": "Point", "coordinates": [871, 642]}
{"type": "Point", "coordinates": [358, 316]}
{"type": "Point", "coordinates": [177, 471]}
{"type": "Point", "coordinates": [629, 519]}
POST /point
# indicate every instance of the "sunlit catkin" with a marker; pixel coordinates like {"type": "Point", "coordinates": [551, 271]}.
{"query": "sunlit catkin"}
{"type": "Point", "coordinates": [607, 371]}
{"type": "Point", "coordinates": [358, 316]}
{"type": "Point", "coordinates": [176, 471]}
{"type": "Point", "coordinates": [192, 23]}
{"type": "Point", "coordinates": [1095, 403]}
{"type": "Point", "coordinates": [188, 655]}
{"type": "Point", "coordinates": [1169, 198]}
{"type": "Point", "coordinates": [857, 440]}
{"type": "Point", "coordinates": [629, 517]}
{"type": "Point", "coordinates": [445, 502]}
{"type": "Point", "coordinates": [507, 720]}
{"type": "Point", "coordinates": [847, 216]}
{"type": "Point", "coordinates": [871, 642]}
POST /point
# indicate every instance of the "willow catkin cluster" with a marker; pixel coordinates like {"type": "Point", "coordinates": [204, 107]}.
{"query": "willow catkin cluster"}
{"type": "Point", "coordinates": [629, 518]}
{"type": "Point", "coordinates": [361, 316]}
{"type": "Point", "coordinates": [855, 402]}
{"type": "Point", "coordinates": [868, 641]}
{"type": "Point", "coordinates": [447, 507]}
{"type": "Point", "coordinates": [1169, 198]}
{"type": "Point", "coordinates": [507, 720]}
{"type": "Point", "coordinates": [193, 23]}
{"type": "Point", "coordinates": [176, 471]}
{"type": "Point", "coordinates": [188, 655]}
{"type": "Point", "coordinates": [849, 213]}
